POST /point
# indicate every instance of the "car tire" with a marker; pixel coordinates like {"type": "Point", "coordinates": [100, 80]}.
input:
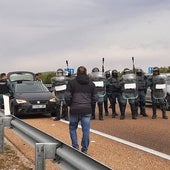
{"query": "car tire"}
{"type": "Point", "coordinates": [53, 113]}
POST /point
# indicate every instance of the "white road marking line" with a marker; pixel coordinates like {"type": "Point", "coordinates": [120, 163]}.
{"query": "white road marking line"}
{"type": "Point", "coordinates": [134, 145]}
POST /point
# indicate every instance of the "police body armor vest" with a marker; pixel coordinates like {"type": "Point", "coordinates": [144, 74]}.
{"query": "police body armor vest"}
{"type": "Point", "coordinates": [3, 87]}
{"type": "Point", "coordinates": [115, 85]}
{"type": "Point", "coordinates": [108, 85]}
{"type": "Point", "coordinates": [141, 81]}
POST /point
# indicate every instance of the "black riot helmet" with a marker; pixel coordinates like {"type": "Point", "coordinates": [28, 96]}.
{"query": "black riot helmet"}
{"type": "Point", "coordinates": [107, 74]}
{"type": "Point", "coordinates": [156, 71]}
{"type": "Point", "coordinates": [95, 69]}
{"type": "Point", "coordinates": [60, 71]}
{"type": "Point", "coordinates": [114, 73]}
{"type": "Point", "coordinates": [139, 72]}
{"type": "Point", "coordinates": [126, 71]}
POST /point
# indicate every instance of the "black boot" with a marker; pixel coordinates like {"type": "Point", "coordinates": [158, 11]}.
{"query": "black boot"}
{"type": "Point", "coordinates": [136, 110]}
{"type": "Point", "coordinates": [133, 110]}
{"type": "Point", "coordinates": [136, 106]}
{"type": "Point", "coordinates": [143, 111]}
{"type": "Point", "coordinates": [163, 108]}
{"type": "Point", "coordinates": [57, 113]}
{"type": "Point", "coordinates": [154, 111]}
{"type": "Point", "coordinates": [93, 111]}
{"type": "Point", "coordinates": [122, 110]}
{"type": "Point", "coordinates": [106, 107]}
{"type": "Point", "coordinates": [66, 117]}
{"type": "Point", "coordinates": [164, 115]}
{"type": "Point", "coordinates": [100, 106]}
{"type": "Point", "coordinates": [65, 112]}
{"type": "Point", "coordinates": [113, 110]}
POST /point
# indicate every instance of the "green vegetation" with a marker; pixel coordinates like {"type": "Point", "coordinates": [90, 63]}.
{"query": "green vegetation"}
{"type": "Point", "coordinates": [165, 69]}
{"type": "Point", "coordinates": [46, 76]}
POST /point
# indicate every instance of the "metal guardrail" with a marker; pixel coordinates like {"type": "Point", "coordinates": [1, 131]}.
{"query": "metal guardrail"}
{"type": "Point", "coordinates": [48, 147]}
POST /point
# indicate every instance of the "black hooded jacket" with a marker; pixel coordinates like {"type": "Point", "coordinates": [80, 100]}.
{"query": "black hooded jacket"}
{"type": "Point", "coordinates": [80, 95]}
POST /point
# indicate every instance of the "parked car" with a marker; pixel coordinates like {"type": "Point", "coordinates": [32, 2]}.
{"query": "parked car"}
{"type": "Point", "coordinates": [30, 97]}
{"type": "Point", "coordinates": [148, 94]}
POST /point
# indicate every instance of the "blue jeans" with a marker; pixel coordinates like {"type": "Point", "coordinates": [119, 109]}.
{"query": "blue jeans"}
{"type": "Point", "coordinates": [73, 125]}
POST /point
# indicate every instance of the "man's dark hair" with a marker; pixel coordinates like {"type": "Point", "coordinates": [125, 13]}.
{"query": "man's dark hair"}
{"type": "Point", "coordinates": [81, 70]}
{"type": "Point", "coordinates": [3, 74]}
{"type": "Point", "coordinates": [37, 74]}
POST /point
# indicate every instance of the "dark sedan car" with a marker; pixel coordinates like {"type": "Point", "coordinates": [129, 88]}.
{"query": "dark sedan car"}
{"type": "Point", "coordinates": [32, 97]}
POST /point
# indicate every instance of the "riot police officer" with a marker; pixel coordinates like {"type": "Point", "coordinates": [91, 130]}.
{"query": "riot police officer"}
{"type": "Point", "coordinates": [59, 84]}
{"type": "Point", "coordinates": [142, 88]}
{"type": "Point", "coordinates": [129, 93]}
{"type": "Point", "coordinates": [98, 79]}
{"type": "Point", "coordinates": [115, 89]}
{"type": "Point", "coordinates": [157, 84]}
{"type": "Point", "coordinates": [108, 92]}
{"type": "Point", "coordinates": [5, 88]}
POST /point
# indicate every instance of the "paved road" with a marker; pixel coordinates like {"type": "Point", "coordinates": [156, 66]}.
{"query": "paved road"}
{"type": "Point", "coordinates": [153, 134]}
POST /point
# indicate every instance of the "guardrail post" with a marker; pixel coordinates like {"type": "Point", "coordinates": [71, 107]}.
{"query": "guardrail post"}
{"type": "Point", "coordinates": [4, 121]}
{"type": "Point", "coordinates": [6, 105]}
{"type": "Point", "coordinates": [44, 151]}
{"type": "Point", "coordinates": [1, 135]}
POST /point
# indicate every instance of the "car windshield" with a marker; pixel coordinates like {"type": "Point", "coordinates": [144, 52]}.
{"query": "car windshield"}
{"type": "Point", "coordinates": [31, 87]}
{"type": "Point", "coordinates": [21, 76]}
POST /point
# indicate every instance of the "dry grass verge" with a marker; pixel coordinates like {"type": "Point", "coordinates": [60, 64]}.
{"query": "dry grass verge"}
{"type": "Point", "coordinates": [12, 159]}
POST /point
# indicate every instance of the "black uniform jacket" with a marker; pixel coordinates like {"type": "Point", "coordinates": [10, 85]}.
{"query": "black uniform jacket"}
{"type": "Point", "coordinates": [80, 95]}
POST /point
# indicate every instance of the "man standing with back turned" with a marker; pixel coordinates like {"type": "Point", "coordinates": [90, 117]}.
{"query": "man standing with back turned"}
{"type": "Point", "coordinates": [80, 96]}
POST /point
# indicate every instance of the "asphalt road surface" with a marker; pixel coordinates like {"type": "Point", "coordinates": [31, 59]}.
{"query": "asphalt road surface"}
{"type": "Point", "coordinates": [121, 144]}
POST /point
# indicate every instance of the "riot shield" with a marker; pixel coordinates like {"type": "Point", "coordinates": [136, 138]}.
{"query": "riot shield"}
{"type": "Point", "coordinates": [129, 86]}
{"type": "Point", "coordinates": [59, 85]}
{"type": "Point", "coordinates": [159, 87]}
{"type": "Point", "coordinates": [98, 79]}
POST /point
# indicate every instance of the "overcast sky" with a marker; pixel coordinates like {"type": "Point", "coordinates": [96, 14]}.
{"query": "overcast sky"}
{"type": "Point", "coordinates": [40, 35]}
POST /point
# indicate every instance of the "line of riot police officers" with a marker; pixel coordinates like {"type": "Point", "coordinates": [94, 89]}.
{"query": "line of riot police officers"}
{"type": "Point", "coordinates": [130, 87]}
{"type": "Point", "coordinates": [110, 86]}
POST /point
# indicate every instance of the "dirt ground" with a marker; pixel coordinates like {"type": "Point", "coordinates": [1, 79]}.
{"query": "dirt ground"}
{"type": "Point", "coordinates": [12, 159]}
{"type": "Point", "coordinates": [153, 134]}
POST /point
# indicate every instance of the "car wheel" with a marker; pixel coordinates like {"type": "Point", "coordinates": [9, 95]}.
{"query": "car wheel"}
{"type": "Point", "coordinates": [53, 113]}
{"type": "Point", "coordinates": [14, 110]}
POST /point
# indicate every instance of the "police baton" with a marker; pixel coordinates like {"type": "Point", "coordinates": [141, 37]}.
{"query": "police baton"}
{"type": "Point", "coordinates": [133, 61]}
{"type": "Point", "coordinates": [103, 65]}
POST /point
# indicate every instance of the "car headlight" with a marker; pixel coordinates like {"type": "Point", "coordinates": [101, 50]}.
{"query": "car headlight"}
{"type": "Point", "coordinates": [19, 101]}
{"type": "Point", "coordinates": [52, 100]}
